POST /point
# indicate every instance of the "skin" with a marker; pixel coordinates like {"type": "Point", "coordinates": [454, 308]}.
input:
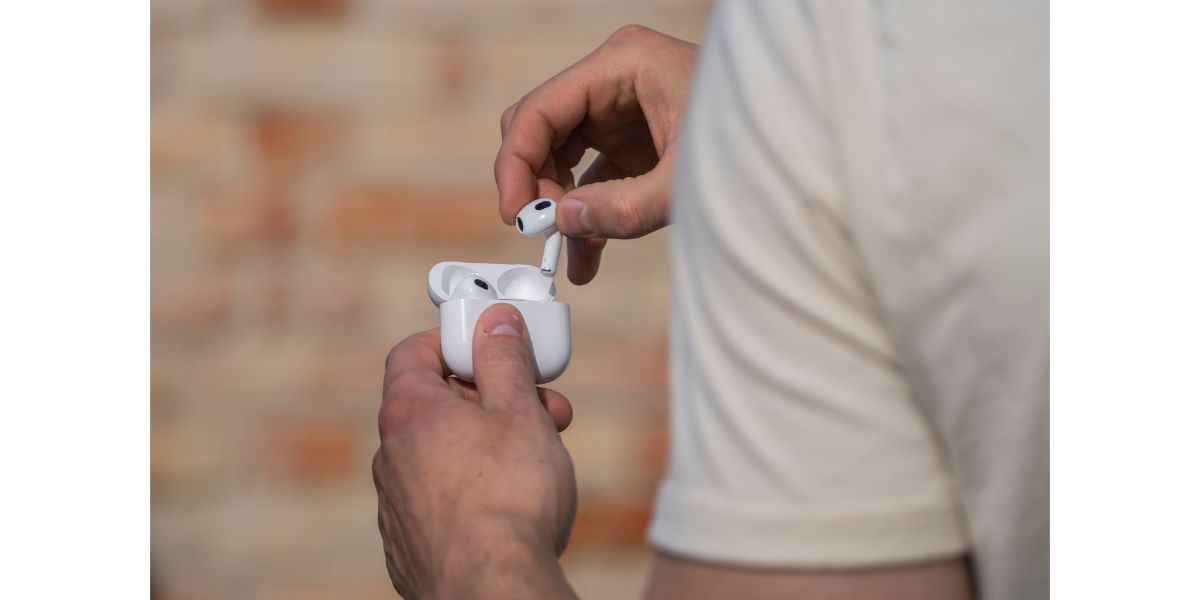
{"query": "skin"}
{"type": "Point", "coordinates": [679, 579]}
{"type": "Point", "coordinates": [626, 100]}
{"type": "Point", "coordinates": [476, 491]}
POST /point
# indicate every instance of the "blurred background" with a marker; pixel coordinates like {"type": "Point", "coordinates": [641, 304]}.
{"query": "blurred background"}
{"type": "Point", "coordinates": [311, 160]}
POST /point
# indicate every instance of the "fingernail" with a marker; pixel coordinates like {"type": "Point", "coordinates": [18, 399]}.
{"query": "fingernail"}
{"type": "Point", "coordinates": [575, 218]}
{"type": "Point", "coordinates": [503, 320]}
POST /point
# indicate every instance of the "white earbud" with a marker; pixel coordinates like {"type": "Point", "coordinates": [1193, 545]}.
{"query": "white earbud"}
{"type": "Point", "coordinates": [473, 287]}
{"type": "Point", "coordinates": [538, 217]}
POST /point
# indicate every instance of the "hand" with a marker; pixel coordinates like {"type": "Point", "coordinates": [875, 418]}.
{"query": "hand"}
{"type": "Point", "coordinates": [627, 100]}
{"type": "Point", "coordinates": [476, 491]}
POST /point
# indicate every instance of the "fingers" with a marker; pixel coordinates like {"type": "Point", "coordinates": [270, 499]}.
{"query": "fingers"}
{"type": "Point", "coordinates": [418, 356]}
{"type": "Point", "coordinates": [583, 258]}
{"type": "Point", "coordinates": [598, 88]}
{"type": "Point", "coordinates": [414, 374]}
{"type": "Point", "coordinates": [572, 150]}
{"type": "Point", "coordinates": [548, 187]}
{"type": "Point", "coordinates": [618, 208]}
{"type": "Point", "coordinates": [556, 404]}
{"type": "Point", "coordinates": [626, 99]}
{"type": "Point", "coordinates": [503, 360]}
{"type": "Point", "coordinates": [558, 407]}
{"type": "Point", "coordinates": [465, 389]}
{"type": "Point", "coordinates": [505, 368]}
{"type": "Point", "coordinates": [530, 138]}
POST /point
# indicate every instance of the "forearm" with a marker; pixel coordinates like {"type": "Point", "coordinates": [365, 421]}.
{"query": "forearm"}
{"type": "Point", "coordinates": [507, 570]}
{"type": "Point", "coordinates": [677, 579]}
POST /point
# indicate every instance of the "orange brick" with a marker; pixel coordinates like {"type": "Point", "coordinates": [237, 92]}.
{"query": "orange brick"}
{"type": "Point", "coordinates": [178, 456]}
{"type": "Point", "coordinates": [341, 371]}
{"type": "Point", "coordinates": [191, 306]}
{"type": "Point", "coordinates": [273, 297]}
{"type": "Point", "coordinates": [331, 298]}
{"type": "Point", "coordinates": [290, 137]}
{"type": "Point", "coordinates": [186, 138]}
{"type": "Point", "coordinates": [235, 215]}
{"type": "Point", "coordinates": [607, 524]}
{"type": "Point", "coordinates": [451, 63]}
{"type": "Point", "coordinates": [187, 465]}
{"type": "Point", "coordinates": [309, 450]}
{"type": "Point", "coordinates": [391, 213]}
{"type": "Point", "coordinates": [654, 446]}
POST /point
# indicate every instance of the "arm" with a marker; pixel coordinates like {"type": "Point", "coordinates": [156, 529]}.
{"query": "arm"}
{"type": "Point", "coordinates": [476, 491]}
{"type": "Point", "coordinates": [676, 578]}
{"type": "Point", "coordinates": [503, 567]}
{"type": "Point", "coordinates": [463, 510]}
{"type": "Point", "coordinates": [627, 100]}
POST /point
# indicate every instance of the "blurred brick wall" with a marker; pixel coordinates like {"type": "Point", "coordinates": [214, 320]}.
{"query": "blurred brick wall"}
{"type": "Point", "coordinates": [311, 160]}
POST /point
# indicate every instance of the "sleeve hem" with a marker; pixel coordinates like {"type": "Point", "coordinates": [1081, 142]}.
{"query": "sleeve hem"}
{"type": "Point", "coordinates": [705, 526]}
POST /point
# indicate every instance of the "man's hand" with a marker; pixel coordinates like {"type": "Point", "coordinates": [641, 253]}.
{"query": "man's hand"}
{"type": "Point", "coordinates": [476, 491]}
{"type": "Point", "coordinates": [627, 100]}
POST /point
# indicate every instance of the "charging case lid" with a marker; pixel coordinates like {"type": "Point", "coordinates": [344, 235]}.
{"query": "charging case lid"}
{"type": "Point", "coordinates": [512, 282]}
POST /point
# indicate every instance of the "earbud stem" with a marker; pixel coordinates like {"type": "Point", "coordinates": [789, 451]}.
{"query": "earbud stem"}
{"type": "Point", "coordinates": [550, 253]}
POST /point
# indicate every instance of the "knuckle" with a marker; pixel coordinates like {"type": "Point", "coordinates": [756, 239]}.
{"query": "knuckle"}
{"type": "Point", "coordinates": [397, 411]}
{"type": "Point", "coordinates": [506, 116]}
{"type": "Point", "coordinates": [376, 475]}
{"type": "Point", "coordinates": [399, 381]}
{"type": "Point", "coordinates": [393, 416]}
{"type": "Point", "coordinates": [403, 386]}
{"type": "Point", "coordinates": [497, 167]}
{"type": "Point", "coordinates": [395, 356]}
{"type": "Point", "coordinates": [412, 349]}
{"type": "Point", "coordinates": [628, 217]}
{"type": "Point", "coordinates": [630, 32]}
{"type": "Point", "coordinates": [391, 419]}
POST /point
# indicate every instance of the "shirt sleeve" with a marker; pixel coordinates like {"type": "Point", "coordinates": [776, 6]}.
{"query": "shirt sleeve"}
{"type": "Point", "coordinates": [795, 437]}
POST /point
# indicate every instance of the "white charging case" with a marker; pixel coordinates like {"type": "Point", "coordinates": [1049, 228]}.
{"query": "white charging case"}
{"type": "Point", "coordinates": [522, 286]}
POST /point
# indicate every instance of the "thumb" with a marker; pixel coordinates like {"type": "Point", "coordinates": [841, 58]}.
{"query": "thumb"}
{"type": "Point", "coordinates": [503, 360]}
{"type": "Point", "coordinates": [618, 208]}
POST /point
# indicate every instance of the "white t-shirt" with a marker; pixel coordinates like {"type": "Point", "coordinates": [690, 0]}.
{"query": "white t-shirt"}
{"type": "Point", "coordinates": [860, 319]}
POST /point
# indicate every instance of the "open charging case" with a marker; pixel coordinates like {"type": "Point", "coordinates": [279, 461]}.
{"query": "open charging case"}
{"type": "Point", "coordinates": [522, 286]}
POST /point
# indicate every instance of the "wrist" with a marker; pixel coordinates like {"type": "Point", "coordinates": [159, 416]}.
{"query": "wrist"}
{"type": "Point", "coordinates": [498, 564]}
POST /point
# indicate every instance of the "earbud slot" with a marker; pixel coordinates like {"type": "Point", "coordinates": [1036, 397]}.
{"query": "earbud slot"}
{"type": "Point", "coordinates": [525, 283]}
{"type": "Point", "coordinates": [451, 275]}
